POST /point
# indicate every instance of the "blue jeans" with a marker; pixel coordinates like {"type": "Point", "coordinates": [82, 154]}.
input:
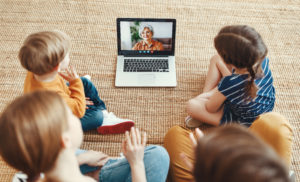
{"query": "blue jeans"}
{"type": "Point", "coordinates": [93, 116]}
{"type": "Point", "coordinates": [156, 160]}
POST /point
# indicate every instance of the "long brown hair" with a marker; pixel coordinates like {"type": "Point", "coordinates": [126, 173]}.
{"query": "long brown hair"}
{"type": "Point", "coordinates": [231, 153]}
{"type": "Point", "coordinates": [43, 51]}
{"type": "Point", "coordinates": [243, 47]}
{"type": "Point", "coordinates": [31, 130]}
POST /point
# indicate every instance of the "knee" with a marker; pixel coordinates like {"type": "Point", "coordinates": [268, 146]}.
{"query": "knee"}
{"type": "Point", "coordinates": [276, 131]}
{"type": "Point", "coordinates": [195, 106]}
{"type": "Point", "coordinates": [215, 59]}
{"type": "Point", "coordinates": [175, 130]}
{"type": "Point", "coordinates": [94, 117]}
{"type": "Point", "coordinates": [99, 117]}
{"type": "Point", "coordinates": [158, 156]}
{"type": "Point", "coordinates": [173, 137]}
{"type": "Point", "coordinates": [190, 102]}
{"type": "Point", "coordinates": [86, 82]}
{"type": "Point", "coordinates": [157, 163]}
{"type": "Point", "coordinates": [190, 105]}
{"type": "Point", "coordinates": [274, 123]}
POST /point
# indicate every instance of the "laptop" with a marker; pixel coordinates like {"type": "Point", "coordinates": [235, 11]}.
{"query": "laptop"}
{"type": "Point", "coordinates": [146, 52]}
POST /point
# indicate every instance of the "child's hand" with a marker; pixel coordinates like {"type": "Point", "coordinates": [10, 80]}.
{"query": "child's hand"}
{"type": "Point", "coordinates": [199, 134]}
{"type": "Point", "coordinates": [133, 146]}
{"type": "Point", "coordinates": [88, 102]}
{"type": "Point", "coordinates": [92, 158]}
{"type": "Point", "coordinates": [69, 74]}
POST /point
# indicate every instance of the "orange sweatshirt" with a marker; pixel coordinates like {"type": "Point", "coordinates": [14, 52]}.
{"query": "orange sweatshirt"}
{"type": "Point", "coordinates": [73, 95]}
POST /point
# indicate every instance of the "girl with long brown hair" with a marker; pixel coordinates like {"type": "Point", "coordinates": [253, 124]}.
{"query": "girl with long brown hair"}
{"type": "Point", "coordinates": [239, 84]}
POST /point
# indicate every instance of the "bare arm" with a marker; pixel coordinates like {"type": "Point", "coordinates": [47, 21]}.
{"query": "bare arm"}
{"type": "Point", "coordinates": [92, 158]}
{"type": "Point", "coordinates": [138, 172]}
{"type": "Point", "coordinates": [208, 94]}
{"type": "Point", "coordinates": [215, 101]}
{"type": "Point", "coordinates": [160, 46]}
{"type": "Point", "coordinates": [133, 149]}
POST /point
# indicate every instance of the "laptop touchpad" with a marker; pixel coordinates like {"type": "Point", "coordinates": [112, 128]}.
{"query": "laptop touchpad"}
{"type": "Point", "coordinates": [146, 79]}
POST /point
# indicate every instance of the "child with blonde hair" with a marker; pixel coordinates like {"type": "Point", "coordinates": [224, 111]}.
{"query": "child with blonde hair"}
{"type": "Point", "coordinates": [40, 134]}
{"type": "Point", "coordinates": [239, 83]}
{"type": "Point", "coordinates": [46, 57]}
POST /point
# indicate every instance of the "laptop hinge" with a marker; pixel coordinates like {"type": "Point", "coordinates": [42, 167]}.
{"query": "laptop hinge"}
{"type": "Point", "coordinates": [146, 56]}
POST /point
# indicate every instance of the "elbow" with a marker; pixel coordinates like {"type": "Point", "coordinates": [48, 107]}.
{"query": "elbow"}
{"type": "Point", "coordinates": [80, 111]}
{"type": "Point", "coordinates": [81, 114]}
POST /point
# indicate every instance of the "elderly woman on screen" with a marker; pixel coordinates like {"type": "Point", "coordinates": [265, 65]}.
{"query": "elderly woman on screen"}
{"type": "Point", "coordinates": [146, 33]}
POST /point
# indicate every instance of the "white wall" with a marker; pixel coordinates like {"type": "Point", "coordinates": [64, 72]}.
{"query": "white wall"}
{"type": "Point", "coordinates": [161, 30]}
{"type": "Point", "coordinates": [125, 36]}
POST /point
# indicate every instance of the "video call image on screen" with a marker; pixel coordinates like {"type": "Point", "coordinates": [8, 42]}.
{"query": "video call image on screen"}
{"type": "Point", "coordinates": [152, 36]}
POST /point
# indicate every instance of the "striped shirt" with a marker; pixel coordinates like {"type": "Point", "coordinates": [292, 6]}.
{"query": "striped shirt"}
{"type": "Point", "coordinates": [237, 108]}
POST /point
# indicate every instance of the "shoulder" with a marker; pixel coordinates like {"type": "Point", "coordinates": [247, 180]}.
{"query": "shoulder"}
{"type": "Point", "coordinates": [158, 44]}
{"type": "Point", "coordinates": [28, 78]}
{"type": "Point", "coordinates": [265, 64]}
{"type": "Point", "coordinates": [29, 75]}
{"type": "Point", "coordinates": [30, 84]}
{"type": "Point", "coordinates": [232, 79]}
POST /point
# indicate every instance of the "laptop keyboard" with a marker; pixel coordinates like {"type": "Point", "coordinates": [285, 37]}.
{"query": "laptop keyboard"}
{"type": "Point", "coordinates": [146, 65]}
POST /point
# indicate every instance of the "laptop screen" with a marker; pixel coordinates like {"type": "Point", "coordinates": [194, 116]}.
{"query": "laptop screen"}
{"type": "Point", "coordinates": [146, 37]}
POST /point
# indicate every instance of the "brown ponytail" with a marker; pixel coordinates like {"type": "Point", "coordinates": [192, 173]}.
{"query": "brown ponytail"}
{"type": "Point", "coordinates": [243, 47]}
{"type": "Point", "coordinates": [251, 88]}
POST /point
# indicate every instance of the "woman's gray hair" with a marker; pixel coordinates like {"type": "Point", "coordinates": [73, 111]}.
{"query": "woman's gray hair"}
{"type": "Point", "coordinates": [142, 27]}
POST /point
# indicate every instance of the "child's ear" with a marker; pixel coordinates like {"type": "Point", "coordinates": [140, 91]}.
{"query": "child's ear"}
{"type": "Point", "coordinates": [66, 141]}
{"type": "Point", "coordinates": [57, 68]}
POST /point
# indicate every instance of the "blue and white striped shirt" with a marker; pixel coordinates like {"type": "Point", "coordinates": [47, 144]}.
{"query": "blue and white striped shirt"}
{"type": "Point", "coordinates": [236, 106]}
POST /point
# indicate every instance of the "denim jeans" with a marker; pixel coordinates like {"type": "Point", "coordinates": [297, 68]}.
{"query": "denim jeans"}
{"type": "Point", "coordinates": [93, 116]}
{"type": "Point", "coordinates": [156, 160]}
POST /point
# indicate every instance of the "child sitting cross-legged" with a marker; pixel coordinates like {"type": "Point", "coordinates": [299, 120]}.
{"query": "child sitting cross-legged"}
{"type": "Point", "coordinates": [46, 57]}
{"type": "Point", "coordinates": [239, 84]}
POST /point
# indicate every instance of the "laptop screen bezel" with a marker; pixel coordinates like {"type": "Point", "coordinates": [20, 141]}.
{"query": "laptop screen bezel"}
{"type": "Point", "coordinates": [141, 53]}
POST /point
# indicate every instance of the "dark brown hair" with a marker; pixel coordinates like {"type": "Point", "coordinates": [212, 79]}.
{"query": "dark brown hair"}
{"type": "Point", "coordinates": [243, 47]}
{"type": "Point", "coordinates": [43, 51]}
{"type": "Point", "coordinates": [231, 153]}
{"type": "Point", "coordinates": [31, 130]}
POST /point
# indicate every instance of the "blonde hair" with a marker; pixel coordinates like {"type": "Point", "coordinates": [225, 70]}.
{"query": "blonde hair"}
{"type": "Point", "coordinates": [31, 130]}
{"type": "Point", "coordinates": [43, 51]}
